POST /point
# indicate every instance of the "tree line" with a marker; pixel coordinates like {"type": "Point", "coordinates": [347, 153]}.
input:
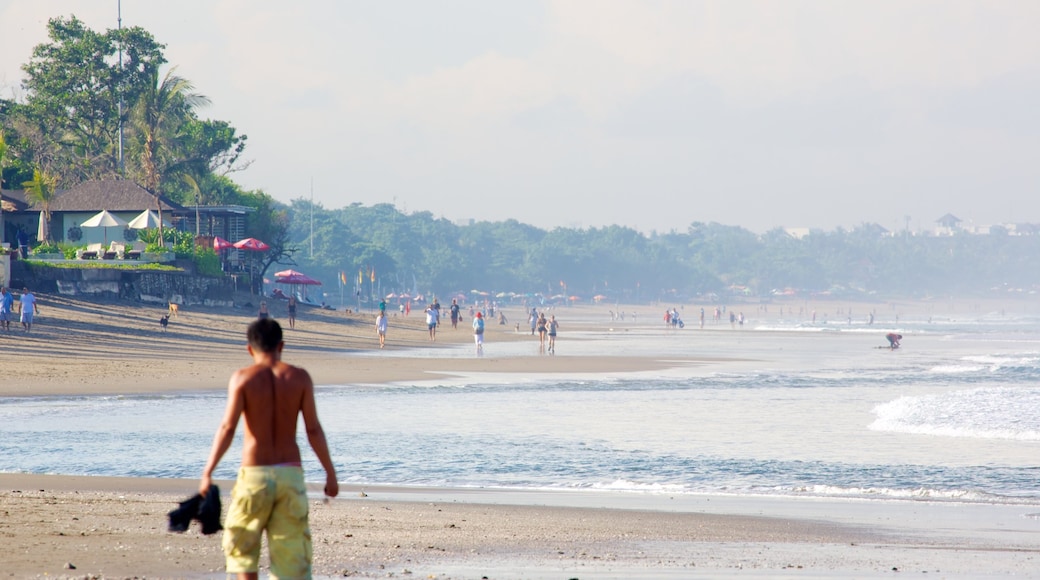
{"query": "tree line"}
{"type": "Point", "coordinates": [707, 262]}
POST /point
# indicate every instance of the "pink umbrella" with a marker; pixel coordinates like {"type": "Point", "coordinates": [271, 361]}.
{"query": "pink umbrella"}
{"type": "Point", "coordinates": [289, 272]}
{"type": "Point", "coordinates": [252, 244]}
{"type": "Point", "coordinates": [220, 243]}
{"type": "Point", "coordinates": [297, 278]}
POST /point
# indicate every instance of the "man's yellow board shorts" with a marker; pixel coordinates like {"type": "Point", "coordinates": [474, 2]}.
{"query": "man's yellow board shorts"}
{"type": "Point", "coordinates": [272, 499]}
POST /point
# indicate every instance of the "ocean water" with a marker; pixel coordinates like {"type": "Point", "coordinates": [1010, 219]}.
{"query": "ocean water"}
{"type": "Point", "coordinates": [781, 407]}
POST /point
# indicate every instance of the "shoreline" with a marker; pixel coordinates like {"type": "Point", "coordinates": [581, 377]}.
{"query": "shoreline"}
{"type": "Point", "coordinates": [115, 527]}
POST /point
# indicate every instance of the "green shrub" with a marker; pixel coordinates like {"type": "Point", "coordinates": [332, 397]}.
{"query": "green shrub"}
{"type": "Point", "coordinates": [207, 262]}
{"type": "Point", "coordinates": [47, 248]}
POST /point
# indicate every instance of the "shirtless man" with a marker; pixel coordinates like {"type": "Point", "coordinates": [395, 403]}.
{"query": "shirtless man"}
{"type": "Point", "coordinates": [270, 493]}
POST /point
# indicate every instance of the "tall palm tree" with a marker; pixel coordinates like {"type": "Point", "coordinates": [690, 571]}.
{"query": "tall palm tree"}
{"type": "Point", "coordinates": [158, 118]}
{"type": "Point", "coordinates": [41, 191]}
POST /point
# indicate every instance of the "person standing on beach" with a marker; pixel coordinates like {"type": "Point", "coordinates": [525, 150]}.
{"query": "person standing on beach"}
{"type": "Point", "coordinates": [263, 313]}
{"type": "Point", "coordinates": [454, 310]}
{"type": "Point", "coordinates": [28, 309]}
{"type": "Point", "coordinates": [552, 326]}
{"type": "Point", "coordinates": [541, 332]}
{"type": "Point", "coordinates": [381, 328]}
{"type": "Point", "coordinates": [431, 321]}
{"type": "Point", "coordinates": [6, 308]}
{"type": "Point", "coordinates": [270, 493]}
{"type": "Point", "coordinates": [478, 333]}
{"type": "Point", "coordinates": [291, 307]}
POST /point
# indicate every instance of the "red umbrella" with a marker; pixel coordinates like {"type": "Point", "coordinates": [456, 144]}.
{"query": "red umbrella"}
{"type": "Point", "coordinates": [220, 243]}
{"type": "Point", "coordinates": [252, 244]}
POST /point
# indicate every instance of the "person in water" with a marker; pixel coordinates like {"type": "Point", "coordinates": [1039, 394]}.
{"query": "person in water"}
{"type": "Point", "coordinates": [893, 340]}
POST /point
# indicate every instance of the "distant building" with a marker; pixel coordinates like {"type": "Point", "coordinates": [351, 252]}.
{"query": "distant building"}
{"type": "Point", "coordinates": [947, 225]}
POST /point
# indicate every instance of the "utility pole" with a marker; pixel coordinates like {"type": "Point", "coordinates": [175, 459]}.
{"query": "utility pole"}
{"type": "Point", "coordinates": [312, 217]}
{"type": "Point", "coordinates": [119, 20]}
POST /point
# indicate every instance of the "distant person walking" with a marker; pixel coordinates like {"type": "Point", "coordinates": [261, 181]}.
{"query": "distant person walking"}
{"type": "Point", "coordinates": [431, 321]}
{"type": "Point", "coordinates": [541, 332]}
{"type": "Point", "coordinates": [552, 327]}
{"type": "Point", "coordinates": [478, 333]}
{"type": "Point", "coordinates": [28, 309]}
{"type": "Point", "coordinates": [6, 308]}
{"type": "Point", "coordinates": [291, 308]}
{"type": "Point", "coordinates": [381, 328]}
{"type": "Point", "coordinates": [454, 310]}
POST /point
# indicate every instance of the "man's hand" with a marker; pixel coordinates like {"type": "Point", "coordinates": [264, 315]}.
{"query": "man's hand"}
{"type": "Point", "coordinates": [204, 484]}
{"type": "Point", "coordinates": [331, 485]}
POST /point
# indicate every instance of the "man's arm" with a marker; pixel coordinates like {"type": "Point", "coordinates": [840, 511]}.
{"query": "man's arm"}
{"type": "Point", "coordinates": [316, 438]}
{"type": "Point", "coordinates": [225, 433]}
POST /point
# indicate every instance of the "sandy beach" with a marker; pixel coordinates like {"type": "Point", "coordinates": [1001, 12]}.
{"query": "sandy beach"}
{"type": "Point", "coordinates": [96, 527]}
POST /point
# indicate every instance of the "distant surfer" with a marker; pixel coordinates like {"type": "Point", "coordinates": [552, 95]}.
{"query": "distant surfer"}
{"type": "Point", "coordinates": [893, 340]}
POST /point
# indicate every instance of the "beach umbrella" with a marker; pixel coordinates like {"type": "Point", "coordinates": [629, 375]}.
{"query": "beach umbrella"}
{"type": "Point", "coordinates": [220, 243]}
{"type": "Point", "coordinates": [104, 219]}
{"type": "Point", "coordinates": [293, 277]}
{"type": "Point", "coordinates": [147, 219]}
{"type": "Point", "coordinates": [297, 278]}
{"type": "Point", "coordinates": [252, 244]}
{"type": "Point", "coordinates": [41, 230]}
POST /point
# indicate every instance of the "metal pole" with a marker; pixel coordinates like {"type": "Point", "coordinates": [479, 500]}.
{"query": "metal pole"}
{"type": "Point", "coordinates": [119, 19]}
{"type": "Point", "coordinates": [312, 218]}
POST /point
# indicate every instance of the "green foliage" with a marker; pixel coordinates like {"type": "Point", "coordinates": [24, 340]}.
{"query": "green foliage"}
{"type": "Point", "coordinates": [207, 262]}
{"type": "Point", "coordinates": [47, 248]}
{"type": "Point", "coordinates": [105, 265]}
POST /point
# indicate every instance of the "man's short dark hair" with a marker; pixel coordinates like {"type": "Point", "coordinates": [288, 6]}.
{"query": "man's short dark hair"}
{"type": "Point", "coordinates": [264, 335]}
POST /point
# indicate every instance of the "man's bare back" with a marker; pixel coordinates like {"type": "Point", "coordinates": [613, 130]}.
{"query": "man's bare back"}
{"type": "Point", "coordinates": [270, 395]}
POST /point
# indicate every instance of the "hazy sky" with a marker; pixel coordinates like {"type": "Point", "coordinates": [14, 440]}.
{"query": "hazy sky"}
{"type": "Point", "coordinates": [649, 114]}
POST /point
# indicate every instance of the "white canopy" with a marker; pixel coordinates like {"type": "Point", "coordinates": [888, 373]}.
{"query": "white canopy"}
{"type": "Point", "coordinates": [103, 219]}
{"type": "Point", "coordinates": [145, 220]}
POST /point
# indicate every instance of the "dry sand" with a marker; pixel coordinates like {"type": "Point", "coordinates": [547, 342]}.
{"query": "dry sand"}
{"type": "Point", "coordinates": [75, 527]}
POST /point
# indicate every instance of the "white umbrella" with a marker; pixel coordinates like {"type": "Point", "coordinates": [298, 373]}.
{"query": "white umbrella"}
{"type": "Point", "coordinates": [103, 219]}
{"type": "Point", "coordinates": [41, 230]}
{"type": "Point", "coordinates": [145, 220]}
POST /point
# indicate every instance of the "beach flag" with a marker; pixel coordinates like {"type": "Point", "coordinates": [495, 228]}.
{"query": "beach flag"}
{"type": "Point", "coordinates": [343, 278]}
{"type": "Point", "coordinates": [372, 275]}
{"type": "Point", "coordinates": [359, 278]}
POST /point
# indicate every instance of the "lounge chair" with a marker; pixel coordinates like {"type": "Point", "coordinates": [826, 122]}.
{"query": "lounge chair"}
{"type": "Point", "coordinates": [134, 252]}
{"type": "Point", "coordinates": [119, 248]}
{"type": "Point", "coordinates": [92, 251]}
{"type": "Point", "coordinates": [112, 252]}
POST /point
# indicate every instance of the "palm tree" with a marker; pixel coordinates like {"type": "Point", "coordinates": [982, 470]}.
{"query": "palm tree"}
{"type": "Point", "coordinates": [41, 191]}
{"type": "Point", "coordinates": [158, 118]}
